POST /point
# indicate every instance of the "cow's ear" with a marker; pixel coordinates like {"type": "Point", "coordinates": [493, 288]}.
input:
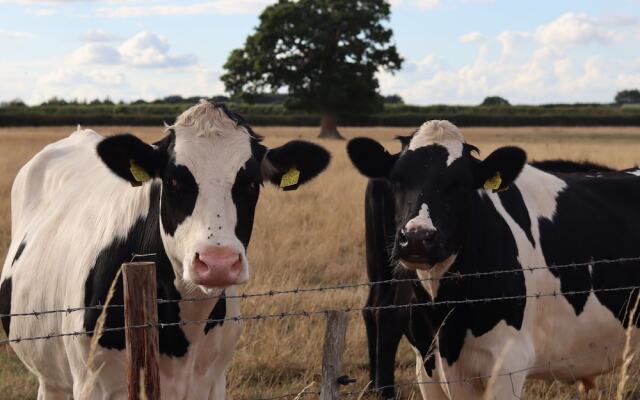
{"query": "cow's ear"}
{"type": "Point", "coordinates": [294, 163]}
{"type": "Point", "coordinates": [130, 158]}
{"type": "Point", "coordinates": [500, 168]}
{"type": "Point", "coordinates": [370, 157]}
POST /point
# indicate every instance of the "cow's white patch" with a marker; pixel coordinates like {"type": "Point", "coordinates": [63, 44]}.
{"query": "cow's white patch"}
{"type": "Point", "coordinates": [430, 277]}
{"type": "Point", "coordinates": [442, 133]}
{"type": "Point", "coordinates": [421, 221]}
{"type": "Point", "coordinates": [635, 172]}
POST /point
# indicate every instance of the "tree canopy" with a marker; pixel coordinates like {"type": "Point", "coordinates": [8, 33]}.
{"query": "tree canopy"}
{"type": "Point", "coordinates": [495, 101]}
{"type": "Point", "coordinates": [628, 97]}
{"type": "Point", "coordinates": [324, 53]}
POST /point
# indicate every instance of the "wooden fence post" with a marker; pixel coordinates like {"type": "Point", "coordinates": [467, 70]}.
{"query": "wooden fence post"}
{"type": "Point", "coordinates": [142, 346]}
{"type": "Point", "coordinates": [334, 340]}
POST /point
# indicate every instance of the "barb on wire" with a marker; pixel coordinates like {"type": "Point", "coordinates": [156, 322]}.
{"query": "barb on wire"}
{"type": "Point", "coordinates": [305, 313]}
{"type": "Point", "coordinates": [299, 290]}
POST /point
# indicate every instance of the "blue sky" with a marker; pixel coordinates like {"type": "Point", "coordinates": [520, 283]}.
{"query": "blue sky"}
{"type": "Point", "coordinates": [456, 51]}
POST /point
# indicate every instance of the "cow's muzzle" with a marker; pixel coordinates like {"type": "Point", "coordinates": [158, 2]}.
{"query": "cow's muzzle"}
{"type": "Point", "coordinates": [417, 246]}
{"type": "Point", "coordinates": [217, 266]}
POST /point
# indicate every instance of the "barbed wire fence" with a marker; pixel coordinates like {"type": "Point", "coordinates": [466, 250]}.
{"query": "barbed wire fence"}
{"type": "Point", "coordinates": [154, 325]}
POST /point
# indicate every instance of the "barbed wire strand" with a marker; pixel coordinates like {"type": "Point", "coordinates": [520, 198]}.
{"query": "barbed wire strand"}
{"type": "Point", "coordinates": [271, 293]}
{"type": "Point", "coordinates": [303, 313]}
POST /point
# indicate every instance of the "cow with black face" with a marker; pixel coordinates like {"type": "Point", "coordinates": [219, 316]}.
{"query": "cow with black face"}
{"type": "Point", "coordinates": [456, 215]}
{"type": "Point", "coordinates": [85, 204]}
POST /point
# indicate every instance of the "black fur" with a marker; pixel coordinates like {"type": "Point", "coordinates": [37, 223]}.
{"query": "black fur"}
{"type": "Point", "coordinates": [118, 151]}
{"type": "Point", "coordinates": [307, 157]}
{"type": "Point", "coordinates": [570, 166]}
{"type": "Point", "coordinates": [509, 161]}
{"type": "Point", "coordinates": [219, 312]}
{"type": "Point", "coordinates": [5, 304]}
{"type": "Point", "coordinates": [370, 157]}
{"type": "Point", "coordinates": [143, 238]}
{"type": "Point", "coordinates": [386, 327]}
{"type": "Point", "coordinates": [179, 195]}
{"type": "Point", "coordinates": [19, 252]}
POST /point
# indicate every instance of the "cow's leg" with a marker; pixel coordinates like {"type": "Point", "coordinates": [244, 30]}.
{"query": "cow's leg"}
{"type": "Point", "coordinates": [390, 330]}
{"type": "Point", "coordinates": [370, 325]}
{"type": "Point", "coordinates": [505, 387]}
{"type": "Point", "coordinates": [429, 387]}
{"type": "Point", "coordinates": [218, 390]}
{"type": "Point", "coordinates": [50, 392]}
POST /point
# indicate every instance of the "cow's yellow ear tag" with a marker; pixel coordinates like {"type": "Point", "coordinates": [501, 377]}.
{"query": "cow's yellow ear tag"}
{"type": "Point", "coordinates": [138, 173]}
{"type": "Point", "coordinates": [494, 182]}
{"type": "Point", "coordinates": [289, 180]}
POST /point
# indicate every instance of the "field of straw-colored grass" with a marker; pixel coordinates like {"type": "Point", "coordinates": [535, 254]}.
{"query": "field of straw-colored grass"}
{"type": "Point", "coordinates": [314, 236]}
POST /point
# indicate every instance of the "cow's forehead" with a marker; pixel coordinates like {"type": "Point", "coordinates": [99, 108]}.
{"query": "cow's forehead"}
{"type": "Point", "coordinates": [442, 133]}
{"type": "Point", "coordinates": [210, 143]}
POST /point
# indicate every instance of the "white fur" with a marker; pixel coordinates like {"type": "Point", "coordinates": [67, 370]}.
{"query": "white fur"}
{"type": "Point", "coordinates": [72, 206]}
{"type": "Point", "coordinates": [553, 343]}
{"type": "Point", "coordinates": [421, 221]}
{"type": "Point", "coordinates": [442, 133]}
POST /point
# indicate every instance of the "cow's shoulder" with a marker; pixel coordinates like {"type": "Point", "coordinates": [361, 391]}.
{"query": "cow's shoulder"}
{"type": "Point", "coordinates": [48, 174]}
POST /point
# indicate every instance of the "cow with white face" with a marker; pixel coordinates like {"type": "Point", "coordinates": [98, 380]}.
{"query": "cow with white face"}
{"type": "Point", "coordinates": [470, 228]}
{"type": "Point", "coordinates": [76, 218]}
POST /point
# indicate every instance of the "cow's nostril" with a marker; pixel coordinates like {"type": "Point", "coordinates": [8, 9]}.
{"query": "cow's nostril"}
{"type": "Point", "coordinates": [429, 236]}
{"type": "Point", "coordinates": [403, 241]}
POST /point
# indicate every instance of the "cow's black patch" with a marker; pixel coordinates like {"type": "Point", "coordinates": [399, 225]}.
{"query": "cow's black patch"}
{"type": "Point", "coordinates": [570, 166]}
{"type": "Point", "coordinates": [143, 238]}
{"type": "Point", "coordinates": [244, 193]}
{"type": "Point", "coordinates": [596, 219]}
{"type": "Point", "coordinates": [219, 312]}
{"type": "Point", "coordinates": [513, 202]}
{"type": "Point", "coordinates": [5, 304]}
{"type": "Point", "coordinates": [19, 252]}
{"type": "Point", "coordinates": [179, 195]}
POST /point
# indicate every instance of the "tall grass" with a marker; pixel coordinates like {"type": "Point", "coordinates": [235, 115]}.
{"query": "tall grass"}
{"type": "Point", "coordinates": [315, 236]}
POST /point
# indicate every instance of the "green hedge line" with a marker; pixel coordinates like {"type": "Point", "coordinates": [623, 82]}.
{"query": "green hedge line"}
{"type": "Point", "coordinates": [267, 114]}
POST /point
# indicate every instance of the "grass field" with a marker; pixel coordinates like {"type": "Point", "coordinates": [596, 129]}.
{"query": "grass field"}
{"type": "Point", "coordinates": [315, 236]}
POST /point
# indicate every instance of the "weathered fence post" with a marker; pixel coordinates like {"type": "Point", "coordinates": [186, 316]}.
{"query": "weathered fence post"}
{"type": "Point", "coordinates": [334, 340]}
{"type": "Point", "coordinates": [140, 308]}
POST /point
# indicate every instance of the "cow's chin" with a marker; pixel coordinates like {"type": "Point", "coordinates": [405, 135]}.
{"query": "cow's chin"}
{"type": "Point", "coordinates": [429, 265]}
{"type": "Point", "coordinates": [425, 263]}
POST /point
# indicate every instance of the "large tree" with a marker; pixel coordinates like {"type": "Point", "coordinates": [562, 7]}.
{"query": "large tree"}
{"type": "Point", "coordinates": [324, 53]}
{"type": "Point", "coordinates": [631, 96]}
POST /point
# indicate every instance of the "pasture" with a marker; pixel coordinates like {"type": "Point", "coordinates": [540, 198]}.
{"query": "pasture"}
{"type": "Point", "coordinates": [313, 237]}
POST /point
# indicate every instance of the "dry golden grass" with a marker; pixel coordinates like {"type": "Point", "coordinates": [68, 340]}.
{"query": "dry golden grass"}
{"type": "Point", "coordinates": [315, 236]}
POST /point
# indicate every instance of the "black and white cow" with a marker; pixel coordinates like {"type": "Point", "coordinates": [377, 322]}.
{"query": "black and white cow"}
{"type": "Point", "coordinates": [458, 215]}
{"type": "Point", "coordinates": [76, 218]}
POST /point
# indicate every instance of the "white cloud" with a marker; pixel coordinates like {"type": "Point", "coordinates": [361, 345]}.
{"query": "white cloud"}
{"type": "Point", "coordinates": [512, 41]}
{"type": "Point", "coordinates": [213, 6]}
{"type": "Point", "coordinates": [5, 34]}
{"type": "Point", "coordinates": [96, 53]}
{"type": "Point", "coordinates": [572, 29]}
{"type": "Point", "coordinates": [145, 49]}
{"type": "Point", "coordinates": [43, 12]}
{"type": "Point", "coordinates": [472, 37]}
{"type": "Point", "coordinates": [148, 49]}
{"type": "Point", "coordinates": [427, 4]}
{"type": "Point", "coordinates": [99, 36]}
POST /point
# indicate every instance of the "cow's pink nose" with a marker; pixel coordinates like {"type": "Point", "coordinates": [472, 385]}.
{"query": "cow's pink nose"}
{"type": "Point", "coordinates": [217, 266]}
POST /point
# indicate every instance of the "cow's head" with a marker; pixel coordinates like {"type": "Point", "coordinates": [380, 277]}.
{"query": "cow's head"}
{"type": "Point", "coordinates": [211, 166]}
{"type": "Point", "coordinates": [434, 179]}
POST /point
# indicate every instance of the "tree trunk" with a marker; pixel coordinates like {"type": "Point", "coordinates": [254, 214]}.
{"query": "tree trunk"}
{"type": "Point", "coordinates": [329, 126]}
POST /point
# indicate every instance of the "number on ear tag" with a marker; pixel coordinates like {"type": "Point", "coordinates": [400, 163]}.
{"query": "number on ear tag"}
{"type": "Point", "coordinates": [494, 182]}
{"type": "Point", "coordinates": [138, 173]}
{"type": "Point", "coordinates": [290, 179]}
